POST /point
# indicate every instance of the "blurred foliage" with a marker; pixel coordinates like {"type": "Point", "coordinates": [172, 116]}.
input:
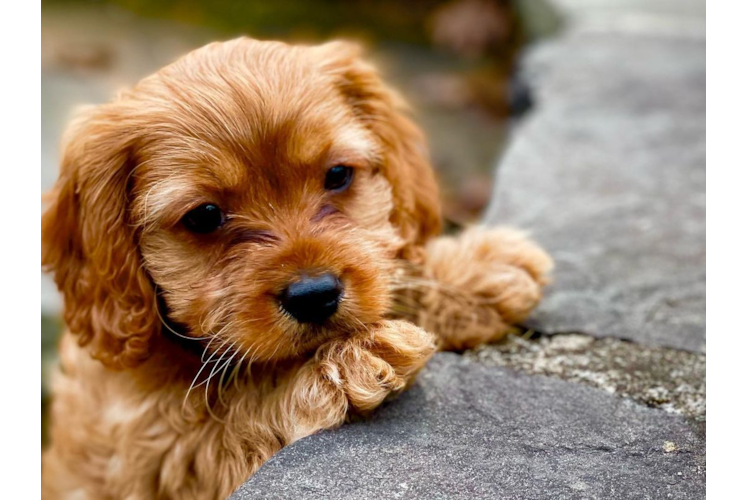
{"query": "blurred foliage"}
{"type": "Point", "coordinates": [51, 329]}
{"type": "Point", "coordinates": [395, 20]}
{"type": "Point", "coordinates": [538, 18]}
{"type": "Point", "coordinates": [388, 19]}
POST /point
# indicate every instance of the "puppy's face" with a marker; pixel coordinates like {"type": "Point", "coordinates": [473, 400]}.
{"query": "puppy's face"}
{"type": "Point", "coordinates": [260, 191]}
{"type": "Point", "coordinates": [266, 219]}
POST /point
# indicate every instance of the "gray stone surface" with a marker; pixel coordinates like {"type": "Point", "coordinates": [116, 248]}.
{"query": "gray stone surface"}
{"type": "Point", "coordinates": [466, 430]}
{"type": "Point", "coordinates": [608, 173]}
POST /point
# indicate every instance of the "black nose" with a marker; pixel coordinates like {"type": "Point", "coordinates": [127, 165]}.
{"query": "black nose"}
{"type": "Point", "coordinates": [312, 299]}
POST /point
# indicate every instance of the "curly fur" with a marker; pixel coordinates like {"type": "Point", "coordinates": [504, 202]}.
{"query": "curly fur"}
{"type": "Point", "coordinates": [179, 373]}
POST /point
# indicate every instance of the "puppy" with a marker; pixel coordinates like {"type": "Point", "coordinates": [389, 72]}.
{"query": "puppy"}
{"type": "Point", "coordinates": [245, 245]}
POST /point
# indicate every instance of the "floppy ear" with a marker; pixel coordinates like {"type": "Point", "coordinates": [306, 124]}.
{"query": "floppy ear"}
{"type": "Point", "coordinates": [406, 165]}
{"type": "Point", "coordinates": [89, 245]}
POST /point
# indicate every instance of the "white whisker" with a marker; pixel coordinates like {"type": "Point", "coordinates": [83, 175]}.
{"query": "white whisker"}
{"type": "Point", "coordinates": [215, 370]}
{"type": "Point", "coordinates": [197, 376]}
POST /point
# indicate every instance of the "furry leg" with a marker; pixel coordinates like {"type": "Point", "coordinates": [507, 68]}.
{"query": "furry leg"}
{"type": "Point", "coordinates": [354, 374]}
{"type": "Point", "coordinates": [375, 364]}
{"type": "Point", "coordinates": [472, 288]}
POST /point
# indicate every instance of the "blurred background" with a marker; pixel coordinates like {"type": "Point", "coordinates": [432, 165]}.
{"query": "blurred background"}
{"type": "Point", "coordinates": [455, 61]}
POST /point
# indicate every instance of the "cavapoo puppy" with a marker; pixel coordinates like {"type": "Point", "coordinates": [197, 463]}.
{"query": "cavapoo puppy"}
{"type": "Point", "coordinates": [246, 246]}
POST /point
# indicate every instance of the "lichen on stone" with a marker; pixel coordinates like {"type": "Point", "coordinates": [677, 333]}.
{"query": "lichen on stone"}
{"type": "Point", "coordinates": [670, 379]}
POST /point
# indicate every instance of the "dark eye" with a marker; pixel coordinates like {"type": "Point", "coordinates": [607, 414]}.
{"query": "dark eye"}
{"type": "Point", "coordinates": [204, 219]}
{"type": "Point", "coordinates": [338, 178]}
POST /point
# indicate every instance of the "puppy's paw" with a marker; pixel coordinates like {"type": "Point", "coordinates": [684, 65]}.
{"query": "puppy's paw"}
{"type": "Point", "coordinates": [497, 266]}
{"type": "Point", "coordinates": [374, 364]}
{"type": "Point", "coordinates": [403, 345]}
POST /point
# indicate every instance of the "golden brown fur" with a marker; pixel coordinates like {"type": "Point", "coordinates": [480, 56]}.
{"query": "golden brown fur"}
{"type": "Point", "coordinates": [180, 374]}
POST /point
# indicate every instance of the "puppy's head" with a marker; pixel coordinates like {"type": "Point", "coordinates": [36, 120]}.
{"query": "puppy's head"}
{"type": "Point", "coordinates": [258, 191]}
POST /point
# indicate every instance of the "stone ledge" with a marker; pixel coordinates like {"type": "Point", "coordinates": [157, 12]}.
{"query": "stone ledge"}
{"type": "Point", "coordinates": [466, 430]}
{"type": "Point", "coordinates": [609, 175]}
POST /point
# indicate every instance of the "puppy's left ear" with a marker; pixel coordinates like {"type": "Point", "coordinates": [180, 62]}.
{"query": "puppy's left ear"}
{"type": "Point", "coordinates": [89, 243]}
{"type": "Point", "coordinates": [417, 211]}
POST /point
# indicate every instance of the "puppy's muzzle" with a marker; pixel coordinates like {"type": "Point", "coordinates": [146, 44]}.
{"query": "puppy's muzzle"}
{"type": "Point", "coordinates": [312, 299]}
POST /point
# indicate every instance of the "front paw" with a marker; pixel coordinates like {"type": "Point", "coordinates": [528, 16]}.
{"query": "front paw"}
{"type": "Point", "coordinates": [403, 345]}
{"type": "Point", "coordinates": [371, 365]}
{"type": "Point", "coordinates": [499, 267]}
